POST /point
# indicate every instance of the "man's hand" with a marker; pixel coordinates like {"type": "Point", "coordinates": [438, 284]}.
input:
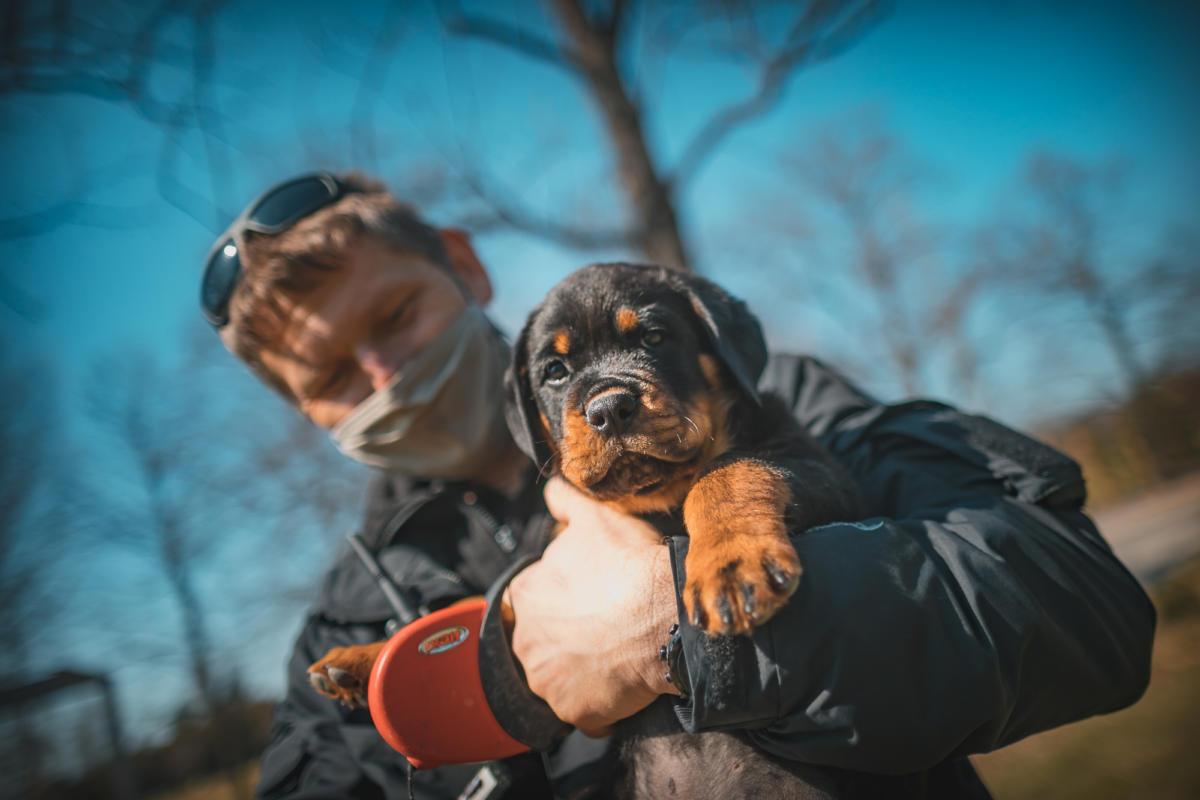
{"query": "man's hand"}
{"type": "Point", "coordinates": [591, 615]}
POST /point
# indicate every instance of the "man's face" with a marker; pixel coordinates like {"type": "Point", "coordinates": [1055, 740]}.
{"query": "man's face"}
{"type": "Point", "coordinates": [349, 336]}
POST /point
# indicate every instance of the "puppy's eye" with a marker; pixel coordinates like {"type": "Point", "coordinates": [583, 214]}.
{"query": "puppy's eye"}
{"type": "Point", "coordinates": [652, 338]}
{"type": "Point", "coordinates": [554, 372]}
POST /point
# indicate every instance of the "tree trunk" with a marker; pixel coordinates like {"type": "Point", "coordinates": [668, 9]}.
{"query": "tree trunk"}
{"type": "Point", "coordinates": [650, 197]}
{"type": "Point", "coordinates": [1138, 390]}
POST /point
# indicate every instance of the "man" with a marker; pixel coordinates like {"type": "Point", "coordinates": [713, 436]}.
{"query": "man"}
{"type": "Point", "coordinates": [976, 605]}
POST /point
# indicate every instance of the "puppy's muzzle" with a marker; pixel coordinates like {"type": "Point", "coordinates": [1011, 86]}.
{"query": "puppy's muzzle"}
{"type": "Point", "coordinates": [611, 412]}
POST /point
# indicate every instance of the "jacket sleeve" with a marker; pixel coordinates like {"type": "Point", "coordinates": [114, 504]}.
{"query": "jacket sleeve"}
{"type": "Point", "coordinates": [976, 604]}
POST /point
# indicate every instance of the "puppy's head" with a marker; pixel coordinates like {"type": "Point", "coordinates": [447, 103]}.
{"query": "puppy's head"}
{"type": "Point", "coordinates": [623, 378]}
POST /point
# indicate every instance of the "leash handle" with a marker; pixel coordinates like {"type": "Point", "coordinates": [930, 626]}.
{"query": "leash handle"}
{"type": "Point", "coordinates": [404, 612]}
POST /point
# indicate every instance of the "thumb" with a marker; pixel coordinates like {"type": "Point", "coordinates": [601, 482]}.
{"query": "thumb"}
{"type": "Point", "coordinates": [562, 499]}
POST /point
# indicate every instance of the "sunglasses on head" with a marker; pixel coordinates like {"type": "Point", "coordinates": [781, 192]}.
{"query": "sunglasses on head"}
{"type": "Point", "coordinates": [275, 210]}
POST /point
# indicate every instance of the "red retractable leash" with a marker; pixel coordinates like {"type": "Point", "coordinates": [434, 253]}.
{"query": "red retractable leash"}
{"type": "Point", "coordinates": [445, 689]}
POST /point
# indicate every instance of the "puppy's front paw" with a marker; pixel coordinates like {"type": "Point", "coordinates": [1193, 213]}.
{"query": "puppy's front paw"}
{"type": "Point", "coordinates": [342, 674]}
{"type": "Point", "coordinates": [739, 581]}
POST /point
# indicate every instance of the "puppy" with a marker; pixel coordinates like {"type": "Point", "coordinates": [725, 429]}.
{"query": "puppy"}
{"type": "Point", "coordinates": [638, 385]}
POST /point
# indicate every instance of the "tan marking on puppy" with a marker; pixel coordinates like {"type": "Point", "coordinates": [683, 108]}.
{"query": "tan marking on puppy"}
{"type": "Point", "coordinates": [626, 319]}
{"type": "Point", "coordinates": [741, 567]}
{"type": "Point", "coordinates": [546, 434]}
{"type": "Point", "coordinates": [711, 371]}
{"type": "Point", "coordinates": [562, 341]}
{"type": "Point", "coordinates": [586, 456]}
{"type": "Point", "coordinates": [605, 393]}
{"type": "Point", "coordinates": [654, 399]}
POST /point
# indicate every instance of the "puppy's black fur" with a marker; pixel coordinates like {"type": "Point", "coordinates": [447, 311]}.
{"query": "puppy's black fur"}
{"type": "Point", "coordinates": [638, 385]}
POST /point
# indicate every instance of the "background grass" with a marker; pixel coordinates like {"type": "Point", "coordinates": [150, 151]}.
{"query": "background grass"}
{"type": "Point", "coordinates": [1146, 751]}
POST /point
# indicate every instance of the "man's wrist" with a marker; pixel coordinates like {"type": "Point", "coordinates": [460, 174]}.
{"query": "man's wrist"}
{"type": "Point", "coordinates": [673, 662]}
{"type": "Point", "coordinates": [663, 618]}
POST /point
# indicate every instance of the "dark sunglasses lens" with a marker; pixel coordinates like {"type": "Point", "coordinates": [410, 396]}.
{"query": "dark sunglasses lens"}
{"type": "Point", "coordinates": [288, 203]}
{"type": "Point", "coordinates": [219, 280]}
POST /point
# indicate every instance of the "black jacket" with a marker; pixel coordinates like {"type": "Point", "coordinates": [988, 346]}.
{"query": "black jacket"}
{"type": "Point", "coordinates": [976, 605]}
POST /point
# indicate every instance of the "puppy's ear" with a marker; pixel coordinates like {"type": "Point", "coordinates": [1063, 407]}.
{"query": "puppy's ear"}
{"type": "Point", "coordinates": [734, 333]}
{"type": "Point", "coordinates": [520, 409]}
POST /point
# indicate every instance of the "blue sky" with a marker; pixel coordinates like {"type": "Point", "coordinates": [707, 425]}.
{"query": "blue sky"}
{"type": "Point", "coordinates": [971, 87]}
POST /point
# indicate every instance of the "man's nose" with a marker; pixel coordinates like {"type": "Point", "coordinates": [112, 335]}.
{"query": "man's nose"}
{"type": "Point", "coordinates": [611, 412]}
{"type": "Point", "coordinates": [378, 369]}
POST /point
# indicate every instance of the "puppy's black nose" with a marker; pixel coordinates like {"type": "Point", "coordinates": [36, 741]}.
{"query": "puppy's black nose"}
{"type": "Point", "coordinates": [611, 412]}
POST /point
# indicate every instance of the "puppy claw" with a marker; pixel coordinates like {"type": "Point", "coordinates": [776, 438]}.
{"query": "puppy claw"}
{"type": "Point", "coordinates": [319, 683]}
{"type": "Point", "coordinates": [724, 610]}
{"type": "Point", "coordinates": [342, 678]}
{"type": "Point", "coordinates": [748, 599]}
{"type": "Point", "coordinates": [699, 618]}
{"type": "Point", "coordinates": [781, 580]}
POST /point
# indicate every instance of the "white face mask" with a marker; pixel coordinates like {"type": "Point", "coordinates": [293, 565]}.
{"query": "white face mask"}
{"type": "Point", "coordinates": [442, 415]}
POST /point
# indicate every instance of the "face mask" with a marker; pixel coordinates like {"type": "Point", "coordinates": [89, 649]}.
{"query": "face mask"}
{"type": "Point", "coordinates": [442, 414]}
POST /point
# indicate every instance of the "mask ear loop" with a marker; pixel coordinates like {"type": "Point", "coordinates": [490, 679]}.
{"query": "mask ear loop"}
{"type": "Point", "coordinates": [468, 297]}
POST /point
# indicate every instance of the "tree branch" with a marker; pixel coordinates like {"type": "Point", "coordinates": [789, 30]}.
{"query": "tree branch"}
{"type": "Point", "coordinates": [806, 43]}
{"type": "Point", "coordinates": [376, 68]}
{"type": "Point", "coordinates": [516, 39]}
{"type": "Point", "coordinates": [503, 211]}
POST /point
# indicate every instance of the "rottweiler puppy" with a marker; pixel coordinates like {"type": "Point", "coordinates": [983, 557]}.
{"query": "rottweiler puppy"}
{"type": "Point", "coordinates": [638, 385]}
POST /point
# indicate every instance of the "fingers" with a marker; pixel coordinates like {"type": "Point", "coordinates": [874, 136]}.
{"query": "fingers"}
{"type": "Point", "coordinates": [574, 509]}
{"type": "Point", "coordinates": [597, 732]}
{"type": "Point", "coordinates": [563, 499]}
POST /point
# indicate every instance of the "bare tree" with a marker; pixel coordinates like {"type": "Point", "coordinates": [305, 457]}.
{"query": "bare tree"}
{"type": "Point", "coordinates": [127, 54]}
{"type": "Point", "coordinates": [1175, 277]}
{"type": "Point", "coordinates": [1072, 237]}
{"type": "Point", "coordinates": [30, 571]}
{"type": "Point", "coordinates": [213, 479]}
{"type": "Point", "coordinates": [161, 510]}
{"type": "Point", "coordinates": [206, 453]}
{"type": "Point", "coordinates": [593, 44]}
{"type": "Point", "coordinates": [123, 53]}
{"type": "Point", "coordinates": [1061, 249]}
{"type": "Point", "coordinates": [26, 447]}
{"type": "Point", "coordinates": [173, 504]}
{"type": "Point", "coordinates": [860, 211]}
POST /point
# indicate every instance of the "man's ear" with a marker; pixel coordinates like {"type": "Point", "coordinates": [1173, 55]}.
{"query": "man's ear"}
{"type": "Point", "coordinates": [466, 264]}
{"type": "Point", "coordinates": [520, 409]}
{"type": "Point", "coordinates": [734, 333]}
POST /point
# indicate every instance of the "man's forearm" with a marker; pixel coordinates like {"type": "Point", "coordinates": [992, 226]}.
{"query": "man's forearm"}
{"type": "Point", "coordinates": [969, 620]}
{"type": "Point", "coordinates": [910, 642]}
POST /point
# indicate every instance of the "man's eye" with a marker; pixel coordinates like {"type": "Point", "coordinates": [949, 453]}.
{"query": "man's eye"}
{"type": "Point", "coordinates": [554, 372]}
{"type": "Point", "coordinates": [399, 312]}
{"type": "Point", "coordinates": [327, 385]}
{"type": "Point", "coordinates": [653, 338]}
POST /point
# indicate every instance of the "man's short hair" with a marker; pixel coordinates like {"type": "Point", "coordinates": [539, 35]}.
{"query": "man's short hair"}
{"type": "Point", "coordinates": [294, 262]}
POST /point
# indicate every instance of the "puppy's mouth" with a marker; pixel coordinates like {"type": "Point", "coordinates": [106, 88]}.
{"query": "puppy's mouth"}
{"type": "Point", "coordinates": [652, 487]}
{"type": "Point", "coordinates": [632, 473]}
